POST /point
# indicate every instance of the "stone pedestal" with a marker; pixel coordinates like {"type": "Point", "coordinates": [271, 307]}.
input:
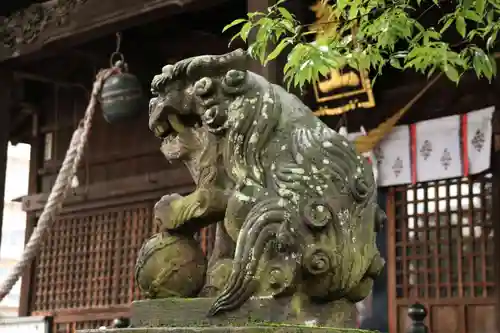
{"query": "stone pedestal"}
{"type": "Point", "coordinates": [287, 315]}
{"type": "Point", "coordinates": [235, 329]}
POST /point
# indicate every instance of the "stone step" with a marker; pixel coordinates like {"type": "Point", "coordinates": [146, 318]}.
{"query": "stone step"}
{"type": "Point", "coordinates": [185, 312]}
{"type": "Point", "coordinates": [228, 329]}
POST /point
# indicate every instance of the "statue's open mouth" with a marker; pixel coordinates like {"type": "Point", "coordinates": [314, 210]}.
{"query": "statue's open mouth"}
{"type": "Point", "coordinates": [168, 129]}
{"type": "Point", "coordinates": [168, 126]}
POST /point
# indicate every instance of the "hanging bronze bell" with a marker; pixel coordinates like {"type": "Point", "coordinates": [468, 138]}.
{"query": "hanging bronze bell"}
{"type": "Point", "coordinates": [122, 96]}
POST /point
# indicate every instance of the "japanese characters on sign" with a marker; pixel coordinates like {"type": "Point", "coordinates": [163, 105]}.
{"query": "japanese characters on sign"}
{"type": "Point", "coordinates": [341, 90]}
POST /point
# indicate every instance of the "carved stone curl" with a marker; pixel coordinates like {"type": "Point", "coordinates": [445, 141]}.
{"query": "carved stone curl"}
{"type": "Point", "coordinates": [291, 195]}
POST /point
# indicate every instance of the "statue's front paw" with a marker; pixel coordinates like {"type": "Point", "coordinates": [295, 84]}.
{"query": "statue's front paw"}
{"type": "Point", "coordinates": [173, 211]}
{"type": "Point", "coordinates": [165, 202]}
{"type": "Point", "coordinates": [165, 214]}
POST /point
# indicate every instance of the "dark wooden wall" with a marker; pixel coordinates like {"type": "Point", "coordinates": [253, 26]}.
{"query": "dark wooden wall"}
{"type": "Point", "coordinates": [83, 276]}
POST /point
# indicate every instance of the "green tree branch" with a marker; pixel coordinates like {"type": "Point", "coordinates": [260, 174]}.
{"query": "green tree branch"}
{"type": "Point", "coordinates": [372, 34]}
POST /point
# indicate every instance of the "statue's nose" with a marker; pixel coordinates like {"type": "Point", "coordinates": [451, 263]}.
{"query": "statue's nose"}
{"type": "Point", "coordinates": [152, 104]}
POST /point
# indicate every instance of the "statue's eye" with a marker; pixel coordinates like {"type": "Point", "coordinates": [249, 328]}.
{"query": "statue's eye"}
{"type": "Point", "coordinates": [158, 84]}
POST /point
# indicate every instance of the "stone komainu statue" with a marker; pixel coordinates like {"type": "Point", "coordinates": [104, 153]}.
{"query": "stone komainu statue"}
{"type": "Point", "coordinates": [295, 204]}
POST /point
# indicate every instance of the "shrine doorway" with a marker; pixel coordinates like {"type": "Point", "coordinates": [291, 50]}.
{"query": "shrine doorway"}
{"type": "Point", "coordinates": [440, 253]}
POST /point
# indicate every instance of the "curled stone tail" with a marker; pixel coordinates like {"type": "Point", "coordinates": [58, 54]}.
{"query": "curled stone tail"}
{"type": "Point", "coordinates": [261, 228]}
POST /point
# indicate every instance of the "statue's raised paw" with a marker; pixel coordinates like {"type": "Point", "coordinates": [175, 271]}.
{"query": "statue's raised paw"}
{"type": "Point", "coordinates": [163, 209]}
{"type": "Point", "coordinates": [173, 211]}
{"type": "Point", "coordinates": [166, 200]}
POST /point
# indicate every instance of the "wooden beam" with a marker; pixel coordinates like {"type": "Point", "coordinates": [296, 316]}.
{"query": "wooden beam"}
{"type": "Point", "coordinates": [134, 188]}
{"type": "Point", "coordinates": [495, 169]}
{"type": "Point", "coordinates": [84, 21]}
{"type": "Point", "coordinates": [391, 262]}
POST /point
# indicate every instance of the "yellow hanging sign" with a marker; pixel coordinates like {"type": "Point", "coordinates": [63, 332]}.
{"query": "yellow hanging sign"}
{"type": "Point", "coordinates": [342, 90]}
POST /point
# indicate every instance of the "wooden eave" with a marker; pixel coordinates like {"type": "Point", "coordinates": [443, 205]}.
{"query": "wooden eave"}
{"type": "Point", "coordinates": [43, 28]}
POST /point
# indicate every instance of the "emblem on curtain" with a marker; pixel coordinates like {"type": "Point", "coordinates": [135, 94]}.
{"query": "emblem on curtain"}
{"type": "Point", "coordinates": [478, 140]}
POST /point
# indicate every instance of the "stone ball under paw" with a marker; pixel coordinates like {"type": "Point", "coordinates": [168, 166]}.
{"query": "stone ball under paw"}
{"type": "Point", "coordinates": [170, 266]}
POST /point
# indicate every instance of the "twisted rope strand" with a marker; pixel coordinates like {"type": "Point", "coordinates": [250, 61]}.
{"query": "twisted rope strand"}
{"type": "Point", "coordinates": [61, 186]}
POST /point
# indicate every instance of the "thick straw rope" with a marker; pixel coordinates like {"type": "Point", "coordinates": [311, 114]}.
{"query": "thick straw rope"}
{"type": "Point", "coordinates": [61, 187]}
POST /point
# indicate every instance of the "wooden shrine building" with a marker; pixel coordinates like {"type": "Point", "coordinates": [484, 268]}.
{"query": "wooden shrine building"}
{"type": "Point", "coordinates": [83, 277]}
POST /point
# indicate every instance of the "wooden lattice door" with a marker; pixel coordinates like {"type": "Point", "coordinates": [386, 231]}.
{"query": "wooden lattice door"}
{"type": "Point", "coordinates": [84, 274]}
{"type": "Point", "coordinates": [440, 253]}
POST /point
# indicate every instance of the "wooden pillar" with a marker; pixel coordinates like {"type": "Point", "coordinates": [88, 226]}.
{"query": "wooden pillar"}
{"type": "Point", "coordinates": [6, 86]}
{"type": "Point", "coordinates": [270, 70]}
{"type": "Point", "coordinates": [495, 169]}
{"type": "Point", "coordinates": [27, 285]}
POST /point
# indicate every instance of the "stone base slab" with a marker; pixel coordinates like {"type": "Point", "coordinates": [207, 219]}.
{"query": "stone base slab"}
{"type": "Point", "coordinates": [184, 312]}
{"type": "Point", "coordinates": [248, 329]}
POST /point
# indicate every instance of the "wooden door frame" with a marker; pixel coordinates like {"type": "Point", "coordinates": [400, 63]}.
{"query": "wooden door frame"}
{"type": "Point", "coordinates": [495, 170]}
{"type": "Point", "coordinates": [391, 260]}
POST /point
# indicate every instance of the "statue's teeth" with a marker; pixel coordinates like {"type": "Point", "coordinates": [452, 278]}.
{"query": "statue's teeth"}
{"type": "Point", "coordinates": [159, 130]}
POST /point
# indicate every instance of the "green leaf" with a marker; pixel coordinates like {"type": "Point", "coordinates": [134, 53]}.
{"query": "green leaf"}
{"type": "Point", "coordinates": [488, 66]}
{"type": "Point", "coordinates": [245, 30]}
{"type": "Point", "coordinates": [395, 63]}
{"type": "Point", "coordinates": [483, 64]}
{"type": "Point", "coordinates": [234, 23]}
{"type": "Point", "coordinates": [493, 62]}
{"type": "Point", "coordinates": [467, 3]}
{"type": "Point", "coordinates": [473, 16]}
{"type": "Point", "coordinates": [446, 25]}
{"type": "Point", "coordinates": [234, 37]}
{"type": "Point", "coordinates": [286, 14]}
{"type": "Point", "coordinates": [491, 40]}
{"type": "Point", "coordinates": [495, 4]}
{"type": "Point", "coordinates": [490, 16]}
{"type": "Point", "coordinates": [277, 51]}
{"type": "Point", "coordinates": [480, 5]}
{"type": "Point", "coordinates": [461, 25]}
{"type": "Point", "coordinates": [478, 65]}
{"type": "Point", "coordinates": [451, 72]}
{"type": "Point", "coordinates": [353, 11]}
{"type": "Point", "coordinates": [341, 4]}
